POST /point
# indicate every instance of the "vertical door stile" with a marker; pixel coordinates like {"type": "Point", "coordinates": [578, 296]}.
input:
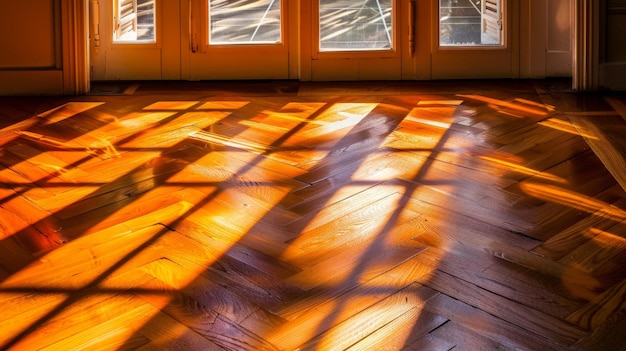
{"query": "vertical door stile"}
{"type": "Point", "coordinates": [412, 28]}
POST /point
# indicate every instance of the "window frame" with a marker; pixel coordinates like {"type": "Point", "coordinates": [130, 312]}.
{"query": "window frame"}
{"type": "Point", "coordinates": [504, 34]}
{"type": "Point", "coordinates": [318, 53]}
{"type": "Point", "coordinates": [207, 30]}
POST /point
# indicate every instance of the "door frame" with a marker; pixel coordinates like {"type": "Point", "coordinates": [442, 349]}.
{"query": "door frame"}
{"type": "Point", "coordinates": [75, 46]}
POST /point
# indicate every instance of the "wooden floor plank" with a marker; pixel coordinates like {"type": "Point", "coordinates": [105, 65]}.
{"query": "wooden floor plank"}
{"type": "Point", "coordinates": [603, 247]}
{"type": "Point", "coordinates": [606, 139]}
{"type": "Point", "coordinates": [352, 331]}
{"type": "Point", "coordinates": [109, 333]}
{"type": "Point", "coordinates": [368, 284]}
{"type": "Point", "coordinates": [572, 237]}
{"type": "Point", "coordinates": [410, 328]}
{"type": "Point", "coordinates": [599, 310]}
{"type": "Point", "coordinates": [610, 335]}
{"type": "Point", "coordinates": [195, 315]}
{"type": "Point", "coordinates": [164, 332]}
{"type": "Point", "coordinates": [462, 338]}
{"type": "Point", "coordinates": [336, 215]}
{"type": "Point", "coordinates": [430, 342]}
{"type": "Point", "coordinates": [356, 230]}
{"type": "Point", "coordinates": [483, 327]}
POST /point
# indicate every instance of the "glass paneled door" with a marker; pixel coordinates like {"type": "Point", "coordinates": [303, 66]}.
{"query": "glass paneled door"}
{"type": "Point", "coordinates": [474, 39]}
{"type": "Point", "coordinates": [237, 39]}
{"type": "Point", "coordinates": [354, 40]}
{"type": "Point", "coordinates": [309, 40]}
{"type": "Point", "coordinates": [411, 39]}
{"type": "Point", "coordinates": [189, 39]}
{"type": "Point", "coordinates": [134, 39]}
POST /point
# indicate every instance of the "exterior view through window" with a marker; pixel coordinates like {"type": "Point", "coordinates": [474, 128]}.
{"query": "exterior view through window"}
{"type": "Point", "coordinates": [470, 23]}
{"type": "Point", "coordinates": [244, 22]}
{"type": "Point", "coordinates": [134, 21]}
{"type": "Point", "coordinates": [348, 25]}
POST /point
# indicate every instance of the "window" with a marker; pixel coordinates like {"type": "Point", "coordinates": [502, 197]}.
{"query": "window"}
{"type": "Point", "coordinates": [134, 21]}
{"type": "Point", "coordinates": [244, 22]}
{"type": "Point", "coordinates": [470, 23]}
{"type": "Point", "coordinates": [355, 25]}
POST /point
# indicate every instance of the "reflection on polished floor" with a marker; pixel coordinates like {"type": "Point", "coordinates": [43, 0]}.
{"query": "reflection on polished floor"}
{"type": "Point", "coordinates": [474, 215]}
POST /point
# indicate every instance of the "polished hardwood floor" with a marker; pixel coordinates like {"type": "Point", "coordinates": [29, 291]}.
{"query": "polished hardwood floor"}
{"type": "Point", "coordinates": [466, 215]}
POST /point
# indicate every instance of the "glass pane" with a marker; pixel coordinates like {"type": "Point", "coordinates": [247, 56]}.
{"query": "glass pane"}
{"type": "Point", "coordinates": [134, 21]}
{"type": "Point", "coordinates": [470, 22]}
{"type": "Point", "coordinates": [244, 22]}
{"type": "Point", "coordinates": [355, 25]}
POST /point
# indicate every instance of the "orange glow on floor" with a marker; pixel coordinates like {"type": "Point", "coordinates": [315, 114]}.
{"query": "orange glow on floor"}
{"type": "Point", "coordinates": [290, 221]}
{"type": "Point", "coordinates": [572, 199]}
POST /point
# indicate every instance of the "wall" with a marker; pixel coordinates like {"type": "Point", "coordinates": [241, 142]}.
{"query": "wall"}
{"type": "Point", "coordinates": [612, 71]}
{"type": "Point", "coordinates": [547, 37]}
{"type": "Point", "coordinates": [34, 60]}
{"type": "Point", "coordinates": [31, 46]}
{"type": "Point", "coordinates": [559, 37]}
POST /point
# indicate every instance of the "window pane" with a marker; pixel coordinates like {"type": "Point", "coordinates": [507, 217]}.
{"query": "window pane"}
{"type": "Point", "coordinates": [244, 22]}
{"type": "Point", "coordinates": [134, 21]}
{"type": "Point", "coordinates": [355, 25]}
{"type": "Point", "coordinates": [470, 22]}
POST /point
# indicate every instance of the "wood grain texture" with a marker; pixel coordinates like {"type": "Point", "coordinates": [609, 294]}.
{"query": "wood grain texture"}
{"type": "Point", "coordinates": [314, 216]}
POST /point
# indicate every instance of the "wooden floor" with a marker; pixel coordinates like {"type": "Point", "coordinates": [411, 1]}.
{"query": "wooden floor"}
{"type": "Point", "coordinates": [473, 215]}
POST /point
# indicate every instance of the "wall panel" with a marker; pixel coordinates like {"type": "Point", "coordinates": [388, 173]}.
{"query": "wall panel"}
{"type": "Point", "coordinates": [28, 34]}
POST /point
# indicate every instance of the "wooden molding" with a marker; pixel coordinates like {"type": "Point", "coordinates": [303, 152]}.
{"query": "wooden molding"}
{"type": "Point", "coordinates": [75, 51]}
{"type": "Point", "coordinates": [586, 58]}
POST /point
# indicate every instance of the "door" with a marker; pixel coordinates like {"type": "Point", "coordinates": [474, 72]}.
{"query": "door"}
{"type": "Point", "coordinates": [410, 39]}
{"type": "Point", "coordinates": [43, 48]}
{"type": "Point", "coordinates": [237, 39]}
{"type": "Point", "coordinates": [135, 39]}
{"type": "Point", "coordinates": [351, 40]}
{"type": "Point", "coordinates": [317, 40]}
{"type": "Point", "coordinates": [189, 39]}
{"type": "Point", "coordinates": [474, 39]}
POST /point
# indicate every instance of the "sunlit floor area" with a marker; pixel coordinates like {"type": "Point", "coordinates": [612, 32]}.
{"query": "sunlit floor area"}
{"type": "Point", "coordinates": [466, 215]}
